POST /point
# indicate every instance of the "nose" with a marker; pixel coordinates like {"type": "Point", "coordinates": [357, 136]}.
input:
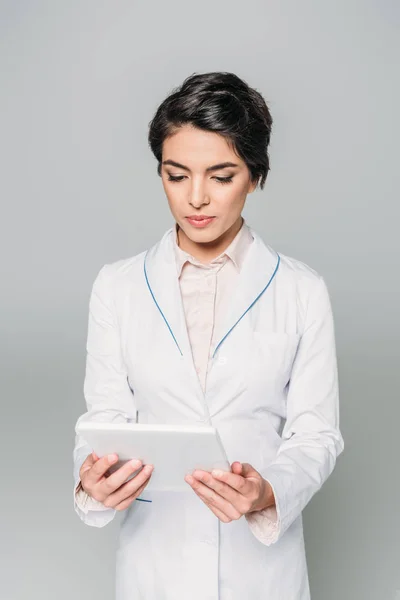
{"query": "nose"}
{"type": "Point", "coordinates": [198, 195]}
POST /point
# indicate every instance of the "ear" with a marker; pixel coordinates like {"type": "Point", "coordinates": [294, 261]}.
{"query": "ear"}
{"type": "Point", "coordinates": [252, 186]}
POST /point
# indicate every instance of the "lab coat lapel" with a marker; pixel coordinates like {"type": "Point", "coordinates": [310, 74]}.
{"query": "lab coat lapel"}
{"type": "Point", "coordinates": [162, 281]}
{"type": "Point", "coordinates": [256, 275]}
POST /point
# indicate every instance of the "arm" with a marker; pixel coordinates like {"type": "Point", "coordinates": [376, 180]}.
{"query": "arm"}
{"type": "Point", "coordinates": [106, 389]}
{"type": "Point", "coordinates": [311, 439]}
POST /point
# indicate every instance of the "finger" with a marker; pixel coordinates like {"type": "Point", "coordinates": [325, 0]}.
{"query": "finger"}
{"type": "Point", "coordinates": [134, 486]}
{"type": "Point", "coordinates": [215, 501]}
{"type": "Point", "coordinates": [237, 482]}
{"type": "Point", "coordinates": [142, 478]}
{"type": "Point", "coordinates": [249, 471]}
{"type": "Point", "coordinates": [224, 489]}
{"type": "Point", "coordinates": [218, 513]}
{"type": "Point", "coordinates": [91, 471]}
{"type": "Point", "coordinates": [109, 483]}
{"type": "Point", "coordinates": [125, 503]}
{"type": "Point", "coordinates": [237, 468]}
{"type": "Point", "coordinates": [100, 467]}
{"type": "Point", "coordinates": [87, 464]}
{"type": "Point", "coordinates": [86, 467]}
{"type": "Point", "coordinates": [98, 473]}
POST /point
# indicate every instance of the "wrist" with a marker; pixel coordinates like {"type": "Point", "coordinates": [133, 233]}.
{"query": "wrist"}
{"type": "Point", "coordinates": [268, 499]}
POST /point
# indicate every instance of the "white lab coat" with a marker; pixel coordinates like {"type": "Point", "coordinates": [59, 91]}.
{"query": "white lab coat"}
{"type": "Point", "coordinates": [272, 393]}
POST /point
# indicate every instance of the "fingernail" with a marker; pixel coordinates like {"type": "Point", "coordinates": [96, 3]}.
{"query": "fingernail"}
{"type": "Point", "coordinates": [135, 462]}
{"type": "Point", "coordinates": [112, 458]}
{"type": "Point", "coordinates": [148, 468]}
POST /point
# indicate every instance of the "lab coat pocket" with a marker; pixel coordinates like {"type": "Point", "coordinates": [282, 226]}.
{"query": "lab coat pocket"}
{"type": "Point", "coordinates": [272, 357]}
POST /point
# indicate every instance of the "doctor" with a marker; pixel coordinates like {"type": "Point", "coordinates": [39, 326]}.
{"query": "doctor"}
{"type": "Point", "coordinates": [212, 326]}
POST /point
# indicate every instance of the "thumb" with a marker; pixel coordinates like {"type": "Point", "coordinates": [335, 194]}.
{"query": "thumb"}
{"type": "Point", "coordinates": [236, 467]}
{"type": "Point", "coordinates": [248, 470]}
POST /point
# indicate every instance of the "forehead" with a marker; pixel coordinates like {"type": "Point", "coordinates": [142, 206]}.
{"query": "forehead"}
{"type": "Point", "coordinates": [198, 148]}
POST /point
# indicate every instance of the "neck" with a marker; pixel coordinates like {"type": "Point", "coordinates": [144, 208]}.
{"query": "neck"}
{"type": "Point", "coordinates": [205, 252]}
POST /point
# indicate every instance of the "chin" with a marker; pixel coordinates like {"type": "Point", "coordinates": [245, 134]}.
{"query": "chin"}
{"type": "Point", "coordinates": [200, 235]}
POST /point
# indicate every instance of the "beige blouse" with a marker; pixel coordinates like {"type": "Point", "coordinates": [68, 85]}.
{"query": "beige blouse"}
{"type": "Point", "coordinates": [205, 290]}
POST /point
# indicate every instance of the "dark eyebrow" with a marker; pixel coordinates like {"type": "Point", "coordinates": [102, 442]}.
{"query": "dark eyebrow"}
{"type": "Point", "coordinates": [212, 168]}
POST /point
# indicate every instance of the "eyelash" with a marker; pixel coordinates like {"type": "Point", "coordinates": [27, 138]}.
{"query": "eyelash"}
{"type": "Point", "coordinates": [219, 179]}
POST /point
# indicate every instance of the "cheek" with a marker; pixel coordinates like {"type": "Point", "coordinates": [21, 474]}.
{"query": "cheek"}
{"type": "Point", "coordinates": [231, 194]}
{"type": "Point", "coordinates": [175, 196]}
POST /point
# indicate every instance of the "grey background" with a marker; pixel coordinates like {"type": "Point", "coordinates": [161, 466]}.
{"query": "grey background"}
{"type": "Point", "coordinates": [79, 82]}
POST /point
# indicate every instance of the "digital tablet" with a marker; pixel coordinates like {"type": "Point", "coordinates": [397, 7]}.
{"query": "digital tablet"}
{"type": "Point", "coordinates": [174, 450]}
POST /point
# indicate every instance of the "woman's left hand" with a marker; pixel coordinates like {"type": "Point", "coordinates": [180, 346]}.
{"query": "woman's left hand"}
{"type": "Point", "coordinates": [231, 495]}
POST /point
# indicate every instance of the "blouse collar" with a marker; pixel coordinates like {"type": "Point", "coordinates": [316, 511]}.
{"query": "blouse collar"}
{"type": "Point", "coordinates": [236, 251]}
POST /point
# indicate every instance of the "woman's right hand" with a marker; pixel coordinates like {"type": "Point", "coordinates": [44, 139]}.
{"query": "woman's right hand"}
{"type": "Point", "coordinates": [113, 491]}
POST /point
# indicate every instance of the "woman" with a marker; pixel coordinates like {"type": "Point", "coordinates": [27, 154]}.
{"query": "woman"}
{"type": "Point", "coordinates": [211, 325]}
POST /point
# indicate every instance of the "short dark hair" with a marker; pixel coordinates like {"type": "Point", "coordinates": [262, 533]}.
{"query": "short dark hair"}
{"type": "Point", "coordinates": [223, 103]}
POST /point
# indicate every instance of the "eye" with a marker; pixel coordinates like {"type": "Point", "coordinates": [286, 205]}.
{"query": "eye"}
{"type": "Point", "coordinates": [176, 178]}
{"type": "Point", "coordinates": [224, 179]}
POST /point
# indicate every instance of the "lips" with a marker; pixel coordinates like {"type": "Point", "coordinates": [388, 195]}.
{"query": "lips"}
{"type": "Point", "coordinates": [199, 217]}
{"type": "Point", "coordinates": [200, 221]}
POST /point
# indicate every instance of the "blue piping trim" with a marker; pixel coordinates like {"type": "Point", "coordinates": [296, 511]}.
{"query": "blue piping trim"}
{"type": "Point", "coordinates": [273, 275]}
{"type": "Point", "coordinates": [143, 500]}
{"type": "Point", "coordinates": [162, 314]}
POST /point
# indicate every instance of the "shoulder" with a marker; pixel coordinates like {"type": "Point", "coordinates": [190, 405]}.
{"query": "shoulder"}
{"type": "Point", "coordinates": [124, 268]}
{"type": "Point", "coordinates": [305, 282]}
{"type": "Point", "coordinates": [308, 285]}
{"type": "Point", "coordinates": [114, 277]}
{"type": "Point", "coordinates": [290, 272]}
{"type": "Point", "coordinates": [297, 270]}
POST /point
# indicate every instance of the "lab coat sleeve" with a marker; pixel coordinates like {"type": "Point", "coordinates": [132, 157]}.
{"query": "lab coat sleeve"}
{"type": "Point", "coordinates": [311, 439]}
{"type": "Point", "coordinates": [107, 392]}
